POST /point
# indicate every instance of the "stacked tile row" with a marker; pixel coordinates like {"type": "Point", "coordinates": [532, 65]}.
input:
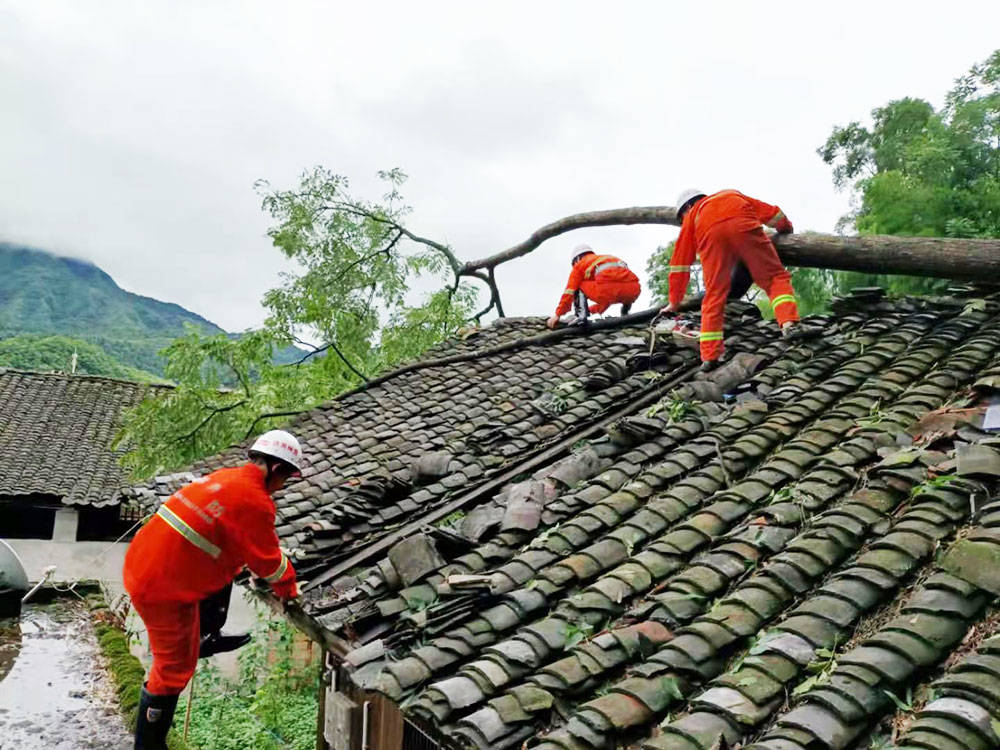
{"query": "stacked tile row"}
{"type": "Point", "coordinates": [746, 697]}
{"type": "Point", "coordinates": [922, 395]}
{"type": "Point", "coordinates": [565, 623]}
{"type": "Point", "coordinates": [964, 713]}
{"type": "Point", "coordinates": [605, 500]}
{"type": "Point", "coordinates": [747, 442]}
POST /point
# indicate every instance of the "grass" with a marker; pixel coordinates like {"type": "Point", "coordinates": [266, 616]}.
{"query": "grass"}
{"type": "Point", "coordinates": [271, 706]}
{"type": "Point", "coordinates": [126, 670]}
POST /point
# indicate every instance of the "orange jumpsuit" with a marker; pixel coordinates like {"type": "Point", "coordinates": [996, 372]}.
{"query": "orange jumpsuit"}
{"type": "Point", "coordinates": [723, 229]}
{"type": "Point", "coordinates": [604, 279]}
{"type": "Point", "coordinates": [199, 539]}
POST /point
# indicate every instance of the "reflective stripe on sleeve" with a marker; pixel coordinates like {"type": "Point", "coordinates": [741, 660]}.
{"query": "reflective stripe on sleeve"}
{"type": "Point", "coordinates": [276, 575]}
{"type": "Point", "coordinates": [678, 269]}
{"type": "Point", "coordinates": [776, 218]}
{"type": "Point", "coordinates": [711, 336]}
{"type": "Point", "coordinates": [781, 299]}
{"type": "Point", "coordinates": [570, 292]}
{"type": "Point", "coordinates": [177, 524]}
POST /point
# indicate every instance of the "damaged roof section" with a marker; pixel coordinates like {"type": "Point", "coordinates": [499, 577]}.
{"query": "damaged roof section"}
{"type": "Point", "coordinates": [56, 433]}
{"type": "Point", "coordinates": [750, 561]}
{"type": "Point", "coordinates": [386, 455]}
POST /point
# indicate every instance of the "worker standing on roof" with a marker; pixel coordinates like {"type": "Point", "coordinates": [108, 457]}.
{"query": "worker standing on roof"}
{"type": "Point", "coordinates": [180, 567]}
{"type": "Point", "coordinates": [724, 229]}
{"type": "Point", "coordinates": [602, 278]}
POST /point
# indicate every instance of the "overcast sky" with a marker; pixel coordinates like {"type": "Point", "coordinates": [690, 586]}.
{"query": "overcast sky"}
{"type": "Point", "coordinates": [131, 133]}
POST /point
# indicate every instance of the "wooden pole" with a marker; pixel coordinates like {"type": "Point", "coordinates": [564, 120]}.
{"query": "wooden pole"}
{"type": "Point", "coordinates": [187, 712]}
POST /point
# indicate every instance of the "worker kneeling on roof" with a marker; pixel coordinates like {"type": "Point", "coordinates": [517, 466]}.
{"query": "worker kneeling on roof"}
{"type": "Point", "coordinates": [724, 229]}
{"type": "Point", "coordinates": [180, 567]}
{"type": "Point", "coordinates": [604, 279]}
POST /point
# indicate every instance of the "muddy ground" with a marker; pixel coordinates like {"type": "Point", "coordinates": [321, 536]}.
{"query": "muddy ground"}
{"type": "Point", "coordinates": [54, 690]}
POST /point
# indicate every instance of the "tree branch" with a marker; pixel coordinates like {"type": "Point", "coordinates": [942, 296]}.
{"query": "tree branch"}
{"type": "Point", "coordinates": [495, 291]}
{"type": "Point", "coordinates": [215, 411]}
{"type": "Point", "coordinates": [384, 251]}
{"type": "Point", "coordinates": [610, 217]}
{"type": "Point", "coordinates": [344, 359]}
{"type": "Point", "coordinates": [453, 261]}
{"type": "Point", "coordinates": [269, 415]}
{"type": "Point", "coordinates": [315, 350]}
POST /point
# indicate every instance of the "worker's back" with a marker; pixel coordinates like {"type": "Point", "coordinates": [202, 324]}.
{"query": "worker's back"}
{"type": "Point", "coordinates": [603, 267]}
{"type": "Point", "coordinates": [195, 544]}
{"type": "Point", "coordinates": [745, 212]}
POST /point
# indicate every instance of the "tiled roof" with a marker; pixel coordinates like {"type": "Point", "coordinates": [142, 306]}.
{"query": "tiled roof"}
{"type": "Point", "coordinates": [382, 456]}
{"type": "Point", "coordinates": [56, 433]}
{"type": "Point", "coordinates": [779, 556]}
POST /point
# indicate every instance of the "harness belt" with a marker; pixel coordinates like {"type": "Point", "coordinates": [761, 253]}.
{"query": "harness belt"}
{"type": "Point", "coordinates": [177, 524]}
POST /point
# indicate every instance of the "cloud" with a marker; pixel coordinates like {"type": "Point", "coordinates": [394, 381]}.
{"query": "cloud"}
{"type": "Point", "coordinates": [133, 133]}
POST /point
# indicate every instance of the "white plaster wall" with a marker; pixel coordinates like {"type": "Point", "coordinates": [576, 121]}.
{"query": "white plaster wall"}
{"type": "Point", "coordinates": [103, 561]}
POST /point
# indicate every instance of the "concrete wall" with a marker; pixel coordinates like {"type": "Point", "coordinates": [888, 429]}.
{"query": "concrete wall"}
{"type": "Point", "coordinates": [103, 561]}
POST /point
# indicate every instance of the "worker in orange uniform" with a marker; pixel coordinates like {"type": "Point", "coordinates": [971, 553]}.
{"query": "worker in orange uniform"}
{"type": "Point", "coordinates": [602, 278]}
{"type": "Point", "coordinates": [724, 230]}
{"type": "Point", "coordinates": [188, 554]}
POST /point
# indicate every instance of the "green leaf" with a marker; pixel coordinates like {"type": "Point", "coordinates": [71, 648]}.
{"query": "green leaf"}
{"type": "Point", "coordinates": [670, 686]}
{"type": "Point", "coordinates": [901, 705]}
{"type": "Point", "coordinates": [806, 685]}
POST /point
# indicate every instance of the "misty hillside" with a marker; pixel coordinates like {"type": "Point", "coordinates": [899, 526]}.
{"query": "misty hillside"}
{"type": "Point", "coordinates": [41, 293]}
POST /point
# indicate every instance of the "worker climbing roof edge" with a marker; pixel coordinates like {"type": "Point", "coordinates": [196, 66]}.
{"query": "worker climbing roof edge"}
{"type": "Point", "coordinates": [724, 229]}
{"type": "Point", "coordinates": [179, 570]}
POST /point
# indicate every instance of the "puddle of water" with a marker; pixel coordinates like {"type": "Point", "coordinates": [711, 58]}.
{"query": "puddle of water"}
{"type": "Point", "coordinates": [56, 693]}
{"type": "Point", "coordinates": [10, 645]}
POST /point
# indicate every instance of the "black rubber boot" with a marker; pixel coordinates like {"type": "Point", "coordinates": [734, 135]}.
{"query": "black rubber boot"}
{"type": "Point", "coordinates": [156, 714]}
{"type": "Point", "coordinates": [740, 281]}
{"type": "Point", "coordinates": [708, 365]}
{"type": "Point", "coordinates": [217, 643]}
{"type": "Point", "coordinates": [580, 309]}
{"type": "Point", "coordinates": [626, 308]}
{"type": "Point", "coordinates": [212, 612]}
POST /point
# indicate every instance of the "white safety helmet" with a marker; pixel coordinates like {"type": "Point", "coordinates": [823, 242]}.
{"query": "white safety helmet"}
{"type": "Point", "coordinates": [579, 251]}
{"type": "Point", "coordinates": [687, 196]}
{"type": "Point", "coordinates": [281, 445]}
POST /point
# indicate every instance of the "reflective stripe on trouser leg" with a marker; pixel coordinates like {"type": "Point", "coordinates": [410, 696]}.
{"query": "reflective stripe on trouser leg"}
{"type": "Point", "coordinates": [785, 308]}
{"type": "Point", "coordinates": [711, 345]}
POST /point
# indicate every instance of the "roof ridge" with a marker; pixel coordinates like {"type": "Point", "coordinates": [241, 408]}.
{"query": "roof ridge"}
{"type": "Point", "coordinates": [78, 376]}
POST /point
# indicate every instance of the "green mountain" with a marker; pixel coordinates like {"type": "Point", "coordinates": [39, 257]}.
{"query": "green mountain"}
{"type": "Point", "coordinates": [44, 294]}
{"type": "Point", "coordinates": [44, 353]}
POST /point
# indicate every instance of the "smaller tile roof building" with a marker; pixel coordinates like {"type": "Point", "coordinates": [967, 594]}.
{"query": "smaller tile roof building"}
{"type": "Point", "coordinates": [56, 432]}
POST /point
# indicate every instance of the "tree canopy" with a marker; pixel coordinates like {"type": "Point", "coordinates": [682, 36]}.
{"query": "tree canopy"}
{"type": "Point", "coordinates": [350, 301]}
{"type": "Point", "coordinates": [914, 171]}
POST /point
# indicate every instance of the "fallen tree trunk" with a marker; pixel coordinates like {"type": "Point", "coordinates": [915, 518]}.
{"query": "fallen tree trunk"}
{"type": "Point", "coordinates": [942, 257]}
